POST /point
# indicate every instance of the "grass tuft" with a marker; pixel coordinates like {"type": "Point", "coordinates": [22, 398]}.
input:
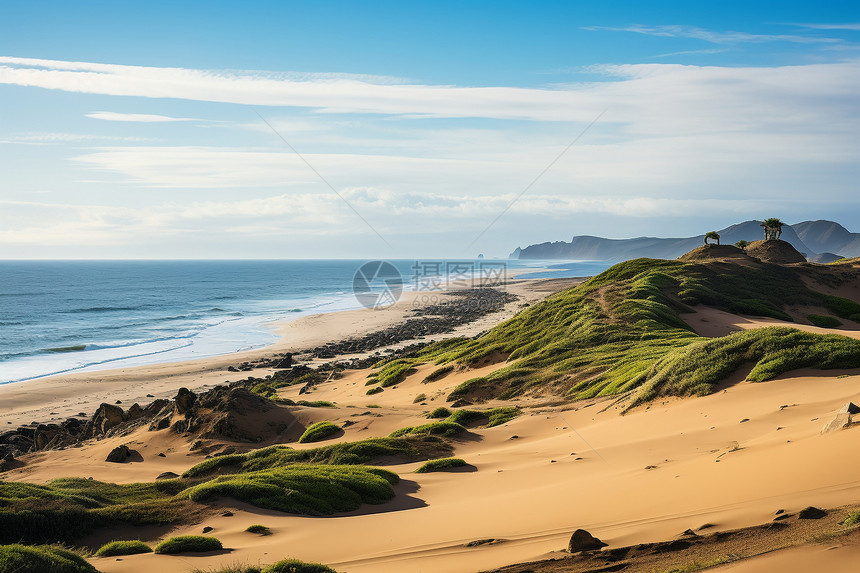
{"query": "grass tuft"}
{"type": "Point", "coordinates": [259, 529]}
{"type": "Point", "coordinates": [445, 429]}
{"type": "Point", "coordinates": [123, 548]}
{"type": "Point", "coordinates": [318, 432]}
{"type": "Point", "coordinates": [17, 558]}
{"type": "Point", "coordinates": [824, 321]}
{"type": "Point", "coordinates": [441, 465]}
{"type": "Point", "coordinates": [296, 566]}
{"type": "Point", "coordinates": [188, 544]}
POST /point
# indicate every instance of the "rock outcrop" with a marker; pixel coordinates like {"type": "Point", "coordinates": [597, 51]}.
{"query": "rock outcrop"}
{"type": "Point", "coordinates": [581, 540]}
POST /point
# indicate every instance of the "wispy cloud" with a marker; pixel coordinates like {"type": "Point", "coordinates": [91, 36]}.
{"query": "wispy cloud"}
{"type": "Point", "coordinates": [135, 117]}
{"type": "Point", "coordinates": [714, 37]}
{"type": "Point", "coordinates": [691, 52]}
{"type": "Point", "coordinates": [851, 26]}
{"type": "Point", "coordinates": [57, 138]}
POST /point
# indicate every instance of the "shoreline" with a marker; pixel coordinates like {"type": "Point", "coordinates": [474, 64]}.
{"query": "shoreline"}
{"type": "Point", "coordinates": [55, 398]}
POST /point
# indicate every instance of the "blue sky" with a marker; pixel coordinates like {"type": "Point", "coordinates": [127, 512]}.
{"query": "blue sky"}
{"type": "Point", "coordinates": [132, 130]}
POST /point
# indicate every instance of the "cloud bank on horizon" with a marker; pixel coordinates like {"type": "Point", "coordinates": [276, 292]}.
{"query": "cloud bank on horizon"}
{"type": "Point", "coordinates": [120, 160]}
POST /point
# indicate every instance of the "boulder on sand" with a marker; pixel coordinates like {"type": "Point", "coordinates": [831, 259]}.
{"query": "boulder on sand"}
{"type": "Point", "coordinates": [581, 540]}
{"type": "Point", "coordinates": [118, 455]}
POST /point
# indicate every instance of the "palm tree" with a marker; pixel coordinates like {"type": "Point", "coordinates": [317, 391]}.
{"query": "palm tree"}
{"type": "Point", "coordinates": [772, 228]}
{"type": "Point", "coordinates": [742, 245]}
{"type": "Point", "coordinates": [712, 235]}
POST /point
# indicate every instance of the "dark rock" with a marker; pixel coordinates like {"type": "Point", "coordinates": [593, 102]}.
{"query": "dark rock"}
{"type": "Point", "coordinates": [581, 540]}
{"type": "Point", "coordinates": [118, 402]}
{"type": "Point", "coordinates": [811, 513]}
{"type": "Point", "coordinates": [105, 418]}
{"type": "Point", "coordinates": [850, 408]}
{"type": "Point", "coordinates": [207, 529]}
{"type": "Point", "coordinates": [135, 412]}
{"type": "Point", "coordinates": [227, 514]}
{"type": "Point", "coordinates": [184, 401]}
{"type": "Point", "coordinates": [118, 455]}
{"type": "Point", "coordinates": [689, 533]}
{"type": "Point", "coordinates": [167, 475]}
{"type": "Point", "coordinates": [161, 455]}
{"type": "Point", "coordinates": [479, 542]}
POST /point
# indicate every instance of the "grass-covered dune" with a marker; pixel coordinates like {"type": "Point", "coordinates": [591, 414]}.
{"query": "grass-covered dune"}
{"type": "Point", "coordinates": [316, 481]}
{"type": "Point", "coordinates": [41, 559]}
{"type": "Point", "coordinates": [621, 331]}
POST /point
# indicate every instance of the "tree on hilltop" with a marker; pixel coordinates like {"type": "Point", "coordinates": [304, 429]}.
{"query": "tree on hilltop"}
{"type": "Point", "coordinates": [712, 235]}
{"type": "Point", "coordinates": [772, 228]}
{"type": "Point", "coordinates": [742, 245]}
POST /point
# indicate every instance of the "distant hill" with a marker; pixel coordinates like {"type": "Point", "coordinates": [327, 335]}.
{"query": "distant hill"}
{"type": "Point", "coordinates": [818, 240]}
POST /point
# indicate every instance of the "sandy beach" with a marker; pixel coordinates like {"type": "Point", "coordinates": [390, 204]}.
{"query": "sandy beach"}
{"type": "Point", "coordinates": [729, 460]}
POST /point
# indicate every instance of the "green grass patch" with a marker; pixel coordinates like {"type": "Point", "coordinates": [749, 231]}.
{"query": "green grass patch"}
{"type": "Point", "coordinates": [374, 390]}
{"type": "Point", "coordinates": [188, 544]}
{"type": "Point", "coordinates": [296, 566]}
{"type": "Point", "coordinates": [259, 529]}
{"type": "Point", "coordinates": [347, 453]}
{"type": "Point", "coordinates": [17, 558]}
{"type": "Point", "coordinates": [394, 372]}
{"type": "Point", "coordinates": [441, 465]}
{"type": "Point", "coordinates": [622, 331]}
{"type": "Point", "coordinates": [65, 509]}
{"type": "Point", "coordinates": [823, 321]}
{"type": "Point", "coordinates": [445, 429]}
{"type": "Point", "coordinates": [316, 404]}
{"type": "Point", "coordinates": [852, 518]}
{"type": "Point", "coordinates": [123, 548]}
{"type": "Point", "coordinates": [842, 307]}
{"type": "Point", "coordinates": [419, 398]}
{"type": "Point", "coordinates": [319, 431]}
{"type": "Point", "coordinates": [306, 489]}
{"type": "Point", "coordinates": [440, 412]}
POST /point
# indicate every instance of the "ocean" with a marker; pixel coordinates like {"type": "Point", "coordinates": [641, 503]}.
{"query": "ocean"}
{"type": "Point", "coordinates": [72, 316]}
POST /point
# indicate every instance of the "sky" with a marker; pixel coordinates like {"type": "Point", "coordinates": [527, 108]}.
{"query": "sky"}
{"type": "Point", "coordinates": [295, 129]}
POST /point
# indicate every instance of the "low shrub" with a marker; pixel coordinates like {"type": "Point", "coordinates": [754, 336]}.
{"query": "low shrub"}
{"type": "Point", "coordinates": [123, 548]}
{"type": "Point", "coordinates": [824, 321]}
{"type": "Point", "coordinates": [319, 431]}
{"type": "Point", "coordinates": [306, 489]}
{"type": "Point", "coordinates": [419, 398]}
{"type": "Point", "coordinates": [441, 465]}
{"type": "Point", "coordinates": [440, 412]}
{"type": "Point", "coordinates": [852, 518]}
{"type": "Point", "coordinates": [446, 429]}
{"type": "Point", "coordinates": [374, 390]}
{"type": "Point", "coordinates": [41, 559]}
{"type": "Point", "coordinates": [344, 453]}
{"type": "Point", "coordinates": [259, 529]}
{"type": "Point", "coordinates": [188, 544]}
{"type": "Point", "coordinates": [296, 566]}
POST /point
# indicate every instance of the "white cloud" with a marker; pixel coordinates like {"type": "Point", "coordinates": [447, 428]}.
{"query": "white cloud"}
{"type": "Point", "coordinates": [714, 37]}
{"type": "Point", "coordinates": [851, 26]}
{"type": "Point", "coordinates": [135, 117]}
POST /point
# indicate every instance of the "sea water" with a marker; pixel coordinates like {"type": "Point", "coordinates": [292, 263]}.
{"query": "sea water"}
{"type": "Point", "coordinates": [72, 316]}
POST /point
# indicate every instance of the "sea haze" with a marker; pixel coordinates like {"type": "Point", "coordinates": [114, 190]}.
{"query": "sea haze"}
{"type": "Point", "coordinates": [65, 316]}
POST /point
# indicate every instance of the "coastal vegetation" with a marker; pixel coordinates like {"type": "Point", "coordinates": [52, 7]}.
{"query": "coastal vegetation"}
{"type": "Point", "coordinates": [319, 431]}
{"type": "Point", "coordinates": [259, 529]}
{"type": "Point", "coordinates": [188, 544]}
{"type": "Point", "coordinates": [441, 465]}
{"type": "Point", "coordinates": [18, 558]}
{"type": "Point", "coordinates": [115, 548]}
{"type": "Point", "coordinates": [306, 489]}
{"type": "Point", "coordinates": [622, 332]}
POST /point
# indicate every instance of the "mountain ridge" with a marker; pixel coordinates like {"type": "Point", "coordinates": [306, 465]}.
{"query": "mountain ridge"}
{"type": "Point", "coordinates": [819, 241]}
